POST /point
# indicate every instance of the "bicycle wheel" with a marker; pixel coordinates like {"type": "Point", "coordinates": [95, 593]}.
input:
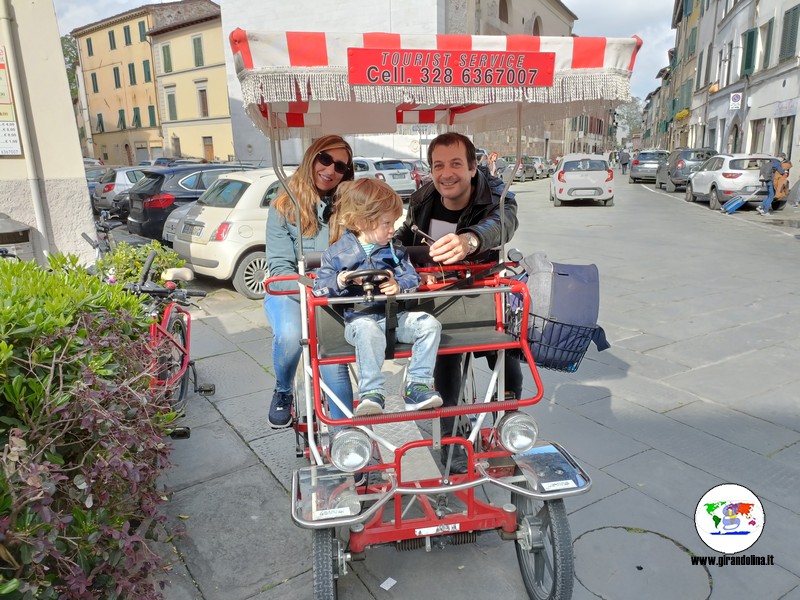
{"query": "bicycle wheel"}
{"type": "Point", "coordinates": [545, 550]}
{"type": "Point", "coordinates": [173, 364]}
{"type": "Point", "coordinates": [325, 549]}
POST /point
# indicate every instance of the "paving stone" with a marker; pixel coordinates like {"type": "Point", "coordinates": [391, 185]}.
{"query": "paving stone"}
{"type": "Point", "coordinates": [731, 425]}
{"type": "Point", "coordinates": [232, 525]}
{"type": "Point", "coordinates": [234, 374]}
{"type": "Point", "coordinates": [777, 405]}
{"type": "Point", "coordinates": [212, 451]}
{"type": "Point", "coordinates": [247, 414]}
{"type": "Point", "coordinates": [237, 328]}
{"type": "Point", "coordinates": [206, 341]}
{"type": "Point", "coordinates": [199, 411]}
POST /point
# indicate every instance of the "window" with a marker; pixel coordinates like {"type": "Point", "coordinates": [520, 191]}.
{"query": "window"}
{"type": "Point", "coordinates": [757, 130]}
{"type": "Point", "coordinates": [132, 73]}
{"type": "Point", "coordinates": [729, 64]}
{"type": "Point", "coordinates": [749, 38]}
{"type": "Point", "coordinates": [99, 128]}
{"type": "Point", "coordinates": [121, 119]}
{"type": "Point", "coordinates": [117, 80]}
{"type": "Point", "coordinates": [709, 56]}
{"type": "Point", "coordinates": [699, 71]}
{"type": "Point", "coordinates": [692, 41]}
{"type": "Point", "coordinates": [172, 107]}
{"type": "Point", "coordinates": [89, 49]}
{"type": "Point", "coordinates": [146, 69]}
{"type": "Point", "coordinates": [166, 56]}
{"type": "Point", "coordinates": [687, 7]}
{"type": "Point", "coordinates": [142, 32]}
{"type": "Point", "coordinates": [137, 118]}
{"type": "Point", "coordinates": [126, 32]}
{"type": "Point", "coordinates": [503, 12]}
{"type": "Point", "coordinates": [202, 100]}
{"type": "Point", "coordinates": [197, 47]}
{"type": "Point", "coordinates": [112, 42]}
{"type": "Point", "coordinates": [151, 114]}
{"type": "Point", "coordinates": [766, 36]}
{"type": "Point", "coordinates": [95, 89]}
{"type": "Point", "coordinates": [789, 33]}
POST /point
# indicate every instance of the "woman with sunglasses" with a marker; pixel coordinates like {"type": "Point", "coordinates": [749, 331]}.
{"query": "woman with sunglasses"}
{"type": "Point", "coordinates": [326, 163]}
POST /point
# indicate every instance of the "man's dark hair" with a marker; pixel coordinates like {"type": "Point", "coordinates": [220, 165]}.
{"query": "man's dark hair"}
{"type": "Point", "coordinates": [451, 138]}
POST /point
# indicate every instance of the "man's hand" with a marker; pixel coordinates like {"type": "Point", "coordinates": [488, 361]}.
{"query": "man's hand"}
{"type": "Point", "coordinates": [450, 249]}
{"type": "Point", "coordinates": [390, 287]}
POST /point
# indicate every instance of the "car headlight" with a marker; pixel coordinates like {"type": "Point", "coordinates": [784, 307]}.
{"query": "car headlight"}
{"type": "Point", "coordinates": [517, 432]}
{"type": "Point", "coordinates": [350, 450]}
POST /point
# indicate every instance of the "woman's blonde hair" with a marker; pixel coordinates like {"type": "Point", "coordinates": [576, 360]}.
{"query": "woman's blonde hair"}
{"type": "Point", "coordinates": [303, 186]}
{"type": "Point", "coordinates": [360, 204]}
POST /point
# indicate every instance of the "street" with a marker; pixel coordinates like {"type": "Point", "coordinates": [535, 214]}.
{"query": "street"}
{"type": "Point", "coordinates": [699, 388]}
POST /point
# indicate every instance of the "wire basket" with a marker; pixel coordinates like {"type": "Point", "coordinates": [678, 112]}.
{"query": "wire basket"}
{"type": "Point", "coordinates": [555, 346]}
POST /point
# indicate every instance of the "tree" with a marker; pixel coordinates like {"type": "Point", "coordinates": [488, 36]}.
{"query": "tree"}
{"type": "Point", "coordinates": [629, 116]}
{"type": "Point", "coordinates": [70, 49]}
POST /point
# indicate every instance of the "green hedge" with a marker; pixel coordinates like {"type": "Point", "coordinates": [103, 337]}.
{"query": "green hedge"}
{"type": "Point", "coordinates": [82, 437]}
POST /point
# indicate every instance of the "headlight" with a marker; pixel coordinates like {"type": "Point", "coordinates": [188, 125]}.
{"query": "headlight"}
{"type": "Point", "coordinates": [517, 432]}
{"type": "Point", "coordinates": [351, 450]}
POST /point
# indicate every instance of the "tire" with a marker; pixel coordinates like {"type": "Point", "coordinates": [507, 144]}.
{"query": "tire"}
{"type": "Point", "coordinates": [548, 572]}
{"type": "Point", "coordinates": [556, 202]}
{"type": "Point", "coordinates": [173, 362]}
{"type": "Point", "coordinates": [631, 180]}
{"type": "Point", "coordinates": [689, 197]}
{"type": "Point", "coordinates": [248, 279]}
{"type": "Point", "coordinates": [325, 549]}
{"type": "Point", "coordinates": [669, 186]}
{"type": "Point", "coordinates": [778, 205]}
{"type": "Point", "coordinates": [713, 199]}
{"type": "Point", "coordinates": [609, 202]}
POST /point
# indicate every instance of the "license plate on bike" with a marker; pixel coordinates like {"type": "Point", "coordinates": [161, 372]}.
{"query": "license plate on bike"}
{"type": "Point", "coordinates": [194, 230]}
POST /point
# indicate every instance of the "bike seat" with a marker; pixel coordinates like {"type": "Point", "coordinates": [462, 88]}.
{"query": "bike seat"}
{"type": "Point", "coordinates": [177, 274]}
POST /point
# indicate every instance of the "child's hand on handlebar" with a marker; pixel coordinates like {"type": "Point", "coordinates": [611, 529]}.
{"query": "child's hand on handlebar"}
{"type": "Point", "coordinates": [390, 287]}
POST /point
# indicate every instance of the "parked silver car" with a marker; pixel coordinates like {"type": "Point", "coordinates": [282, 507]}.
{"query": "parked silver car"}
{"type": "Point", "coordinates": [644, 165]}
{"type": "Point", "coordinates": [114, 181]}
{"type": "Point", "coordinates": [388, 170]}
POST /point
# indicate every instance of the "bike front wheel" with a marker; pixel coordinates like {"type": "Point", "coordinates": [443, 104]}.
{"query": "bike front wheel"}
{"type": "Point", "coordinates": [544, 550]}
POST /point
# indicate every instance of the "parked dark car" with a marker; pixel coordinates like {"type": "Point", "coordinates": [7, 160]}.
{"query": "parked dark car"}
{"type": "Point", "coordinates": [645, 164]}
{"type": "Point", "coordinates": [163, 190]}
{"type": "Point", "coordinates": [680, 164]}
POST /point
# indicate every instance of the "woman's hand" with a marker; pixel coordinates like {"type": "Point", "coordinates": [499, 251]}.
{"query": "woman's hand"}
{"type": "Point", "coordinates": [449, 249]}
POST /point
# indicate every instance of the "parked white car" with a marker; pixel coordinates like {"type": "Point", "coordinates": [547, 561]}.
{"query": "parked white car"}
{"type": "Point", "coordinates": [223, 234]}
{"type": "Point", "coordinates": [582, 177]}
{"type": "Point", "coordinates": [389, 170]}
{"type": "Point", "coordinates": [724, 176]}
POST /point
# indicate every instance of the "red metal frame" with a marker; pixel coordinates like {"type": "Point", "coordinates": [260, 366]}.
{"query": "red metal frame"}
{"type": "Point", "coordinates": [159, 333]}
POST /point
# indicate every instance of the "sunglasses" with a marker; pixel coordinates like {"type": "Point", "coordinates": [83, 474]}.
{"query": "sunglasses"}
{"type": "Point", "coordinates": [326, 160]}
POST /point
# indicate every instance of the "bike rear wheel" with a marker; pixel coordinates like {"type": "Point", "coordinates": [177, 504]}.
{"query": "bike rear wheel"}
{"type": "Point", "coordinates": [545, 550]}
{"type": "Point", "coordinates": [173, 364]}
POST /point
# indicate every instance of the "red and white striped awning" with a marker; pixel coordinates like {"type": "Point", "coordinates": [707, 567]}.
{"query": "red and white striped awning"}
{"type": "Point", "coordinates": [354, 83]}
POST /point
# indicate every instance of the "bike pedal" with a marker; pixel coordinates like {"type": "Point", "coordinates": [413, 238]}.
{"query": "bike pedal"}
{"type": "Point", "coordinates": [181, 433]}
{"type": "Point", "coordinates": [206, 389]}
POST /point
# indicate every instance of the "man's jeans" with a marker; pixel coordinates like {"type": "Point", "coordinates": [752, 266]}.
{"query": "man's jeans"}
{"type": "Point", "coordinates": [283, 314]}
{"type": "Point", "coordinates": [368, 335]}
{"type": "Point", "coordinates": [767, 203]}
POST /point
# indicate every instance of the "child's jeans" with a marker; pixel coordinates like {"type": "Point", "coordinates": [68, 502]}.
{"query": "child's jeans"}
{"type": "Point", "coordinates": [368, 335]}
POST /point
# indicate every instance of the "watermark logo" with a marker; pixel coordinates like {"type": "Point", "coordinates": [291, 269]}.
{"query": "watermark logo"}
{"type": "Point", "coordinates": [729, 518]}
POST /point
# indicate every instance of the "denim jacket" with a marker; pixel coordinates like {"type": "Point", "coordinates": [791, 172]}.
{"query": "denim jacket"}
{"type": "Point", "coordinates": [347, 254]}
{"type": "Point", "coordinates": [282, 245]}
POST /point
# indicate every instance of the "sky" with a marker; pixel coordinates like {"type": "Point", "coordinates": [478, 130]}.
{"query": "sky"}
{"type": "Point", "coordinates": [650, 20]}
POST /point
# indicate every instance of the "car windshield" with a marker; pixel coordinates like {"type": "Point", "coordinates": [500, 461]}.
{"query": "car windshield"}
{"type": "Point", "coordinates": [108, 177]}
{"type": "Point", "coordinates": [387, 165]}
{"type": "Point", "coordinates": [652, 156]}
{"type": "Point", "coordinates": [94, 174]}
{"type": "Point", "coordinates": [149, 184]}
{"type": "Point", "coordinates": [585, 165]}
{"type": "Point", "coordinates": [747, 164]}
{"type": "Point", "coordinates": [223, 193]}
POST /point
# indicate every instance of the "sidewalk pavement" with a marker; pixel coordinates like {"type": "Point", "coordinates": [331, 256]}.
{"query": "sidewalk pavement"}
{"type": "Point", "coordinates": [699, 388]}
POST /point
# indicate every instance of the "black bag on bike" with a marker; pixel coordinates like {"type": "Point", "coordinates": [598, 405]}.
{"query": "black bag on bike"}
{"type": "Point", "coordinates": [564, 306]}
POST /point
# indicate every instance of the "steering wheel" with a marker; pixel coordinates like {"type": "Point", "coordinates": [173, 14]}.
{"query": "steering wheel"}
{"type": "Point", "coordinates": [369, 277]}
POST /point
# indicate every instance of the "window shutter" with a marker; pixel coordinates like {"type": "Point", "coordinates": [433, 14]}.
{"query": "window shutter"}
{"type": "Point", "coordinates": [749, 57]}
{"type": "Point", "coordinates": [789, 33]}
{"type": "Point", "coordinates": [693, 41]}
{"type": "Point", "coordinates": [768, 43]}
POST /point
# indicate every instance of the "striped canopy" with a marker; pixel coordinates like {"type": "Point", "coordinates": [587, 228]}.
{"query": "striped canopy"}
{"type": "Point", "coordinates": [353, 82]}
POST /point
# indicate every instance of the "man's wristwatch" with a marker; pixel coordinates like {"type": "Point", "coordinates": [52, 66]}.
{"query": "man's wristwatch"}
{"type": "Point", "coordinates": [472, 242]}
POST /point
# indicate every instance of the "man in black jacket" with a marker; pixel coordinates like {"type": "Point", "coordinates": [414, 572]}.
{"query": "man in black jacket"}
{"type": "Point", "coordinates": [460, 209]}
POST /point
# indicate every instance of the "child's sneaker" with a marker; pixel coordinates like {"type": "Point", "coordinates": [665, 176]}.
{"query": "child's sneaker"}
{"type": "Point", "coordinates": [370, 404]}
{"type": "Point", "coordinates": [419, 396]}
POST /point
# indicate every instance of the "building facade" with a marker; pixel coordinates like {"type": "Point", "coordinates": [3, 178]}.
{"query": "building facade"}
{"type": "Point", "coordinates": [43, 188]}
{"type": "Point", "coordinates": [192, 87]}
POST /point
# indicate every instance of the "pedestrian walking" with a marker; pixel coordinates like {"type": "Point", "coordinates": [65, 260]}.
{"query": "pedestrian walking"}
{"type": "Point", "coordinates": [777, 182]}
{"type": "Point", "coordinates": [624, 160]}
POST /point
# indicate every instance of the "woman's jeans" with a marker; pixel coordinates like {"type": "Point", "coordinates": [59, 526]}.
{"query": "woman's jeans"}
{"type": "Point", "coordinates": [368, 335]}
{"type": "Point", "coordinates": [283, 314]}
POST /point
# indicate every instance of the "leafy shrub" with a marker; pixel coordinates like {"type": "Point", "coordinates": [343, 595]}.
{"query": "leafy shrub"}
{"type": "Point", "coordinates": [81, 433]}
{"type": "Point", "coordinates": [126, 261]}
